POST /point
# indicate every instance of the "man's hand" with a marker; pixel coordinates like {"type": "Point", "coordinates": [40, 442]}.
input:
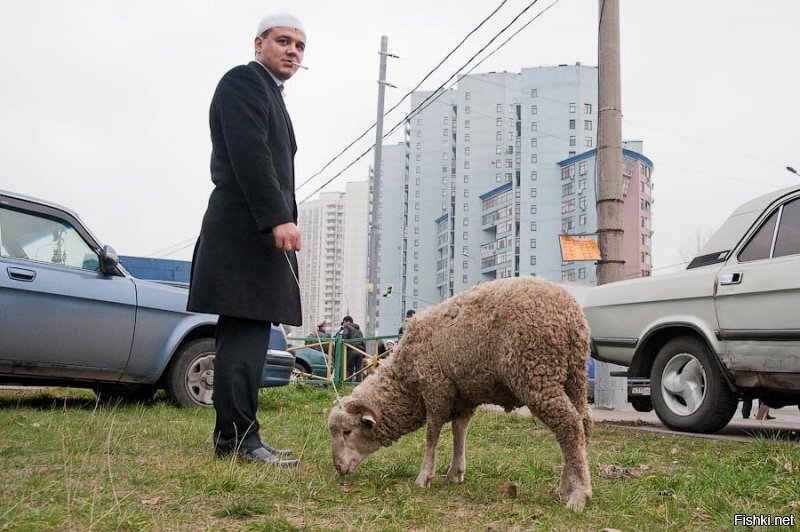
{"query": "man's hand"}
{"type": "Point", "coordinates": [287, 237]}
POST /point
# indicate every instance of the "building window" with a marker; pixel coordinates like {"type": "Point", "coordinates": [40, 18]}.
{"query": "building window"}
{"type": "Point", "coordinates": [568, 188]}
{"type": "Point", "coordinates": [466, 222]}
{"type": "Point", "coordinates": [587, 108]}
{"type": "Point", "coordinates": [533, 209]}
{"type": "Point", "coordinates": [534, 158]}
{"type": "Point", "coordinates": [587, 141]}
{"type": "Point", "coordinates": [572, 123]}
{"type": "Point", "coordinates": [534, 110]}
{"type": "Point", "coordinates": [445, 132]}
{"type": "Point", "coordinates": [465, 235]}
{"type": "Point", "coordinates": [581, 273]}
{"type": "Point", "coordinates": [499, 107]}
{"type": "Point", "coordinates": [499, 122]}
{"type": "Point", "coordinates": [468, 96]}
{"type": "Point", "coordinates": [419, 157]}
{"type": "Point", "coordinates": [533, 192]}
{"type": "Point", "coordinates": [466, 124]}
{"type": "Point", "coordinates": [572, 108]}
{"type": "Point", "coordinates": [466, 178]}
{"type": "Point", "coordinates": [587, 125]}
{"type": "Point", "coordinates": [582, 203]}
{"type": "Point", "coordinates": [498, 177]}
{"type": "Point", "coordinates": [419, 133]}
{"type": "Point", "coordinates": [533, 243]}
{"type": "Point", "coordinates": [534, 142]}
{"type": "Point", "coordinates": [533, 260]}
{"type": "Point", "coordinates": [509, 163]}
{"type": "Point", "coordinates": [419, 121]}
{"type": "Point", "coordinates": [416, 230]}
{"type": "Point", "coordinates": [467, 109]}
{"type": "Point", "coordinates": [508, 177]}
{"type": "Point", "coordinates": [571, 154]}
{"type": "Point", "coordinates": [418, 170]}
{"type": "Point", "coordinates": [572, 140]}
{"type": "Point", "coordinates": [446, 120]}
{"type": "Point", "coordinates": [466, 192]}
{"type": "Point", "coordinates": [416, 219]}
{"type": "Point", "coordinates": [582, 168]}
{"type": "Point", "coordinates": [466, 137]}
{"type": "Point", "coordinates": [464, 279]}
{"type": "Point", "coordinates": [567, 206]}
{"type": "Point", "coordinates": [534, 175]}
{"type": "Point", "coordinates": [533, 227]}
{"type": "Point", "coordinates": [466, 207]}
{"type": "Point", "coordinates": [419, 145]}
{"type": "Point", "coordinates": [464, 265]}
{"type": "Point", "coordinates": [466, 165]}
{"type": "Point", "coordinates": [581, 185]}
{"type": "Point", "coordinates": [568, 275]}
{"type": "Point", "coordinates": [568, 223]}
{"type": "Point", "coordinates": [466, 151]}
{"type": "Point", "coordinates": [498, 149]}
{"type": "Point", "coordinates": [582, 219]}
{"type": "Point", "coordinates": [534, 126]}
{"type": "Point", "coordinates": [534, 93]}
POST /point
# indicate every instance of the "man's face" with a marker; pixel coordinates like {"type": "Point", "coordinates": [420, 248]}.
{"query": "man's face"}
{"type": "Point", "coordinates": [280, 49]}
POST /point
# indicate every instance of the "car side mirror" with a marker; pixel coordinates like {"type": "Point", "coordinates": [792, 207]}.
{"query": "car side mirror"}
{"type": "Point", "coordinates": [108, 260]}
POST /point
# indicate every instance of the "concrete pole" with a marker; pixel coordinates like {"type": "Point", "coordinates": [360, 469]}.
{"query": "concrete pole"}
{"type": "Point", "coordinates": [374, 233]}
{"type": "Point", "coordinates": [609, 391]}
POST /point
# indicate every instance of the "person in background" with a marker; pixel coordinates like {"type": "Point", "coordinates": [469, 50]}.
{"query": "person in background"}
{"type": "Point", "coordinates": [355, 359]}
{"type": "Point", "coordinates": [409, 314]}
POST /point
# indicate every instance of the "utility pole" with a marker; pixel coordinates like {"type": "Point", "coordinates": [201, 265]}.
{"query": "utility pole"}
{"type": "Point", "coordinates": [610, 267]}
{"type": "Point", "coordinates": [373, 288]}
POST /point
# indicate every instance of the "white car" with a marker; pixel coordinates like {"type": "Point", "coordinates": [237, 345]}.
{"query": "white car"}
{"type": "Point", "coordinates": [726, 328]}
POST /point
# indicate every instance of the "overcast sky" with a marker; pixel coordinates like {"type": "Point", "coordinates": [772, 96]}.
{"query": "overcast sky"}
{"type": "Point", "coordinates": [104, 104]}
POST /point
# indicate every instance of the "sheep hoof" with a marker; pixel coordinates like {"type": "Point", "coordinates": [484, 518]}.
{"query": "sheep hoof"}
{"type": "Point", "coordinates": [456, 477]}
{"type": "Point", "coordinates": [423, 480]}
{"type": "Point", "coordinates": [577, 501]}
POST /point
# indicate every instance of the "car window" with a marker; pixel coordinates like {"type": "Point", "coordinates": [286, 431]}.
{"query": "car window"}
{"type": "Point", "coordinates": [788, 240]}
{"type": "Point", "coordinates": [40, 238]}
{"type": "Point", "coordinates": [761, 242]}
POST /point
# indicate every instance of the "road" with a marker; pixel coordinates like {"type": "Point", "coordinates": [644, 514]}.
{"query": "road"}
{"type": "Point", "coordinates": [785, 426]}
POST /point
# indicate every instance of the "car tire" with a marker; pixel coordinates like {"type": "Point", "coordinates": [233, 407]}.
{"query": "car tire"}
{"type": "Point", "coordinates": [688, 391]}
{"type": "Point", "coordinates": [300, 367]}
{"type": "Point", "coordinates": [641, 404]}
{"type": "Point", "coordinates": [189, 380]}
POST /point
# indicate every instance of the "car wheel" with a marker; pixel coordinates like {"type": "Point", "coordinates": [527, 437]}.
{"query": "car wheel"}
{"type": "Point", "coordinates": [300, 368]}
{"type": "Point", "coordinates": [190, 376]}
{"type": "Point", "coordinates": [689, 392]}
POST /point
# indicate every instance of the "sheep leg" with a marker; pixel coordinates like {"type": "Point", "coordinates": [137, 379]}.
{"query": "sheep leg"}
{"type": "Point", "coordinates": [561, 416]}
{"type": "Point", "coordinates": [459, 464]}
{"type": "Point", "coordinates": [428, 471]}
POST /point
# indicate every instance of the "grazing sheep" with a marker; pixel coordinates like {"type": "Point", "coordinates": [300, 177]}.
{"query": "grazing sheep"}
{"type": "Point", "coordinates": [511, 342]}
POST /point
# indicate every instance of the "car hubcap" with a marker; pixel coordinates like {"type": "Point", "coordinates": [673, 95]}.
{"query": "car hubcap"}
{"type": "Point", "coordinates": [683, 384]}
{"type": "Point", "coordinates": [200, 379]}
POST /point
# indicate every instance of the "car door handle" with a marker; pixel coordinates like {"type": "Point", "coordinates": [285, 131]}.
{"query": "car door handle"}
{"type": "Point", "coordinates": [20, 274]}
{"type": "Point", "coordinates": [731, 278]}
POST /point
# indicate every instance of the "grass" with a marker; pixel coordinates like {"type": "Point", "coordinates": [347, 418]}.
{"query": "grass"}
{"type": "Point", "coordinates": [69, 463]}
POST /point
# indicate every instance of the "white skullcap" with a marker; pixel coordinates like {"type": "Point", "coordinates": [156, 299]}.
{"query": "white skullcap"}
{"type": "Point", "coordinates": [279, 19]}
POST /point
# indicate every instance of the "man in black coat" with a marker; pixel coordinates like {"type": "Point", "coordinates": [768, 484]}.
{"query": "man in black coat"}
{"type": "Point", "coordinates": [244, 266]}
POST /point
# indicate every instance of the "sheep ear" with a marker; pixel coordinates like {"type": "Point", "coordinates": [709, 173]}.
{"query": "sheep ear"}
{"type": "Point", "coordinates": [368, 420]}
{"type": "Point", "coordinates": [368, 412]}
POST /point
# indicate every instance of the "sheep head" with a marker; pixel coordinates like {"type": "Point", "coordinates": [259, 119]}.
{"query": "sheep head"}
{"type": "Point", "coordinates": [352, 424]}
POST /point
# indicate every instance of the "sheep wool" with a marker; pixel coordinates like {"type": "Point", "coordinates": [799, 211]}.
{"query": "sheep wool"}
{"type": "Point", "coordinates": [511, 342]}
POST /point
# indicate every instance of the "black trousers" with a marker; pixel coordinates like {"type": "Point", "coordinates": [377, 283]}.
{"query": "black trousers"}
{"type": "Point", "coordinates": [241, 353]}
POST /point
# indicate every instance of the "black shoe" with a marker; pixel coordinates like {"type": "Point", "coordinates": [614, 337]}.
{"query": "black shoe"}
{"type": "Point", "coordinates": [263, 456]}
{"type": "Point", "coordinates": [746, 416]}
{"type": "Point", "coordinates": [277, 452]}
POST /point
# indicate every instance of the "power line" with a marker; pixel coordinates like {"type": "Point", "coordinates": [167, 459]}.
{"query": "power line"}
{"type": "Point", "coordinates": [406, 95]}
{"type": "Point", "coordinates": [439, 92]}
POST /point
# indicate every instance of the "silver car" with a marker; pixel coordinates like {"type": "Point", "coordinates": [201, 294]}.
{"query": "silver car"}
{"type": "Point", "coordinates": [726, 328]}
{"type": "Point", "coordinates": [70, 315]}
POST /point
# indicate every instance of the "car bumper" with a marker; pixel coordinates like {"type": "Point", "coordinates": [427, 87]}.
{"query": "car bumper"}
{"type": "Point", "coordinates": [277, 369]}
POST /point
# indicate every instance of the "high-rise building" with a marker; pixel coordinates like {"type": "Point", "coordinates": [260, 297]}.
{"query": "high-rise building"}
{"type": "Point", "coordinates": [492, 173]}
{"type": "Point", "coordinates": [333, 260]}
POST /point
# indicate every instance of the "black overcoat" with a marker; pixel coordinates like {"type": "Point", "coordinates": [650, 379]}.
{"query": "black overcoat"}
{"type": "Point", "coordinates": [236, 269]}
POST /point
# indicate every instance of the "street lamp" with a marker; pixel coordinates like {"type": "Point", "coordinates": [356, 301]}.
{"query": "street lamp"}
{"type": "Point", "coordinates": [477, 265]}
